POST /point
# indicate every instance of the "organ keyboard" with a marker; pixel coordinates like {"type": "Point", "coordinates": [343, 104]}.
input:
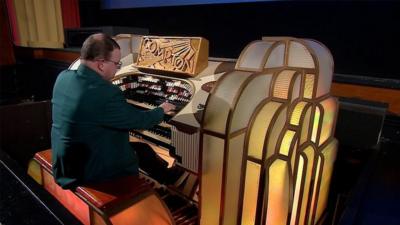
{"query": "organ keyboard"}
{"type": "Point", "coordinates": [154, 79]}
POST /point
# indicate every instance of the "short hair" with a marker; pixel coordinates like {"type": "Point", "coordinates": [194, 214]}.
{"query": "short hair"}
{"type": "Point", "coordinates": [98, 46]}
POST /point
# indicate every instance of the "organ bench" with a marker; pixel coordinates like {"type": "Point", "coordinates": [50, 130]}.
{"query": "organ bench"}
{"type": "Point", "coordinates": [124, 199]}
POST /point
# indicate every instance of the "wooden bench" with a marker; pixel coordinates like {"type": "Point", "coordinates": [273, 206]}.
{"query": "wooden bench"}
{"type": "Point", "coordinates": [126, 200]}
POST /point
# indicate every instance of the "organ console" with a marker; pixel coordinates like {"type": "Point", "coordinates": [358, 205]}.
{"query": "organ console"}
{"type": "Point", "coordinates": [255, 135]}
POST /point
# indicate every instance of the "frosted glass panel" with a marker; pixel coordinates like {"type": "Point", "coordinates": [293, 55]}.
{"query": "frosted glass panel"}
{"type": "Point", "coordinates": [309, 154]}
{"type": "Point", "coordinates": [278, 193]}
{"type": "Point", "coordinates": [328, 119]}
{"type": "Point", "coordinates": [252, 182]}
{"type": "Point", "coordinates": [277, 57]}
{"type": "Point", "coordinates": [297, 189]}
{"type": "Point", "coordinates": [296, 88]}
{"type": "Point", "coordinates": [253, 58]}
{"type": "Point", "coordinates": [282, 84]}
{"type": "Point", "coordinates": [260, 127]}
{"type": "Point", "coordinates": [305, 126]}
{"type": "Point", "coordinates": [316, 119]}
{"type": "Point", "coordinates": [275, 132]}
{"type": "Point", "coordinates": [299, 56]}
{"type": "Point", "coordinates": [329, 154]}
{"type": "Point", "coordinates": [211, 183]}
{"type": "Point", "coordinates": [286, 142]}
{"type": "Point", "coordinates": [297, 112]}
{"type": "Point", "coordinates": [325, 67]}
{"type": "Point", "coordinates": [233, 175]}
{"type": "Point", "coordinates": [255, 91]}
{"type": "Point", "coordinates": [220, 103]}
{"type": "Point", "coordinates": [309, 86]}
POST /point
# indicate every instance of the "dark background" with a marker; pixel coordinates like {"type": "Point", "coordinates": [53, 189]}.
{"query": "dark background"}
{"type": "Point", "coordinates": [362, 35]}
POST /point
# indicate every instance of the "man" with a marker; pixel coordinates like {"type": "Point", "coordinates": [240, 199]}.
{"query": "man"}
{"type": "Point", "coordinates": [91, 121]}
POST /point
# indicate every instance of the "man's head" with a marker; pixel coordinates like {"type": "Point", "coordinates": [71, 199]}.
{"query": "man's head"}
{"type": "Point", "coordinates": [101, 53]}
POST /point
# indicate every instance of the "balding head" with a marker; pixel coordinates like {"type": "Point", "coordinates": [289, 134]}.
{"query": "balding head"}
{"type": "Point", "coordinates": [102, 54]}
{"type": "Point", "coordinates": [98, 46]}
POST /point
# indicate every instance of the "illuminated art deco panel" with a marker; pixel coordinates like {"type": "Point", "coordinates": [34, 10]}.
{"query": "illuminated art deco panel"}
{"type": "Point", "coordinates": [329, 106]}
{"type": "Point", "coordinates": [308, 86]}
{"type": "Point", "coordinates": [297, 113]}
{"type": "Point", "coordinates": [278, 193]}
{"type": "Point", "coordinates": [276, 105]}
{"type": "Point", "coordinates": [328, 157]}
{"type": "Point", "coordinates": [282, 84]}
{"type": "Point", "coordinates": [315, 125]}
{"type": "Point", "coordinates": [325, 66]}
{"type": "Point", "coordinates": [221, 102]}
{"type": "Point", "coordinates": [254, 92]}
{"type": "Point", "coordinates": [276, 58]}
{"type": "Point", "coordinates": [299, 56]}
{"type": "Point", "coordinates": [253, 57]}
{"type": "Point", "coordinates": [275, 131]}
{"type": "Point", "coordinates": [181, 55]}
{"type": "Point", "coordinates": [307, 156]}
{"type": "Point", "coordinates": [260, 127]}
{"type": "Point", "coordinates": [286, 143]}
{"type": "Point", "coordinates": [234, 168]}
{"type": "Point", "coordinates": [252, 182]}
{"type": "Point", "coordinates": [213, 155]}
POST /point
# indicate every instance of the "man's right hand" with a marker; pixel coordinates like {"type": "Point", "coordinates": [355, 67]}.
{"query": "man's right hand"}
{"type": "Point", "coordinates": [167, 107]}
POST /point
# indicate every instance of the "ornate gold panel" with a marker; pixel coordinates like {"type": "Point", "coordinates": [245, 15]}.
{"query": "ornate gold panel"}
{"type": "Point", "coordinates": [188, 55]}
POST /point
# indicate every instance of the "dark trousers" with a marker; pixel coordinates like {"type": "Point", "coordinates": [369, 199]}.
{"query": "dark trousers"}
{"type": "Point", "coordinates": [150, 162]}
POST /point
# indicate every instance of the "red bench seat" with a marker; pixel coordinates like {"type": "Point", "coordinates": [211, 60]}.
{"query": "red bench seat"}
{"type": "Point", "coordinates": [126, 200]}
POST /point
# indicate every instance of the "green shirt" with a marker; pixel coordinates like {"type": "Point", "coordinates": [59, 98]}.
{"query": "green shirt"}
{"type": "Point", "coordinates": [91, 121]}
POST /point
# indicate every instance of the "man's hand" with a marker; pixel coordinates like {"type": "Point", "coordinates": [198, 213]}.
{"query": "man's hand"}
{"type": "Point", "coordinates": [167, 107]}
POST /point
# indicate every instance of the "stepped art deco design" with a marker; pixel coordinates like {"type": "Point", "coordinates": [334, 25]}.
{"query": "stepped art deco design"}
{"type": "Point", "coordinates": [267, 145]}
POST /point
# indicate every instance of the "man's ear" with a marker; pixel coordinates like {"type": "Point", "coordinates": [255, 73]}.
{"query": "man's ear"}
{"type": "Point", "coordinates": [100, 66]}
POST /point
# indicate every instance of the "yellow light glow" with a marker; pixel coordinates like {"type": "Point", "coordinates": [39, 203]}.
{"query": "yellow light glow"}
{"type": "Point", "coordinates": [252, 182]}
{"type": "Point", "coordinates": [259, 129]}
{"type": "Point", "coordinates": [309, 86]}
{"type": "Point", "coordinates": [329, 106]}
{"type": "Point", "coordinates": [329, 154]}
{"type": "Point", "coordinates": [278, 193]}
{"type": "Point", "coordinates": [233, 175]}
{"type": "Point", "coordinates": [286, 142]}
{"type": "Point", "coordinates": [211, 183]}
{"type": "Point", "coordinates": [315, 125]}
{"type": "Point", "coordinates": [296, 114]}
{"type": "Point", "coordinates": [314, 191]}
{"type": "Point", "coordinates": [305, 126]}
{"type": "Point", "coordinates": [309, 152]}
{"type": "Point", "coordinates": [282, 84]}
{"type": "Point", "coordinates": [297, 190]}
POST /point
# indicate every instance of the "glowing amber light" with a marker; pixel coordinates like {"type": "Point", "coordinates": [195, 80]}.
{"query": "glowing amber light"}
{"type": "Point", "coordinates": [259, 129]}
{"type": "Point", "coordinates": [278, 193]}
{"type": "Point", "coordinates": [329, 156]}
{"type": "Point", "coordinates": [282, 84]}
{"type": "Point", "coordinates": [329, 106]}
{"type": "Point", "coordinates": [286, 142]}
{"type": "Point", "coordinates": [315, 125]}
{"type": "Point", "coordinates": [309, 154]}
{"type": "Point", "coordinates": [296, 114]}
{"type": "Point", "coordinates": [252, 182]}
{"type": "Point", "coordinates": [308, 86]}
